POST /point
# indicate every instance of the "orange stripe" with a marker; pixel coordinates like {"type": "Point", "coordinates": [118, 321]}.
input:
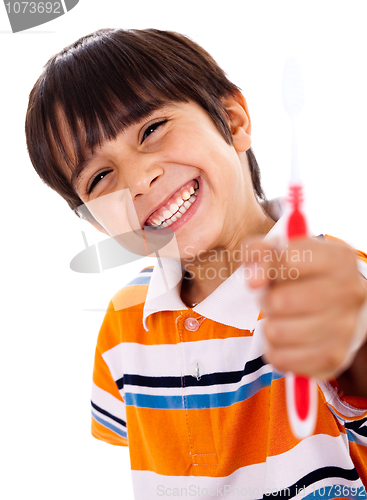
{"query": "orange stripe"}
{"type": "Point", "coordinates": [362, 256]}
{"type": "Point", "coordinates": [359, 456]}
{"type": "Point", "coordinates": [164, 332]}
{"type": "Point", "coordinates": [174, 440]}
{"type": "Point", "coordinates": [130, 296]}
{"type": "Point", "coordinates": [127, 326]}
{"type": "Point", "coordinates": [171, 448]}
{"type": "Point", "coordinates": [280, 434]}
{"type": "Point", "coordinates": [158, 441]}
{"type": "Point", "coordinates": [102, 377]}
{"type": "Point", "coordinates": [356, 402]}
{"type": "Point", "coordinates": [333, 238]}
{"type": "Point", "coordinates": [261, 316]}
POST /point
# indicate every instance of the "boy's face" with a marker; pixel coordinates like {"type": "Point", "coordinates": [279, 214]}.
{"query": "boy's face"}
{"type": "Point", "coordinates": [133, 181]}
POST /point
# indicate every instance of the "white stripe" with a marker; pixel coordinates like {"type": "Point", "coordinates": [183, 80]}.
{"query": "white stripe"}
{"type": "Point", "coordinates": [149, 485]}
{"type": "Point", "coordinates": [108, 402]}
{"type": "Point", "coordinates": [314, 452]}
{"type": "Point", "coordinates": [109, 420]}
{"type": "Point", "coordinates": [362, 267]}
{"type": "Point", "coordinates": [255, 480]}
{"type": "Point", "coordinates": [175, 360]}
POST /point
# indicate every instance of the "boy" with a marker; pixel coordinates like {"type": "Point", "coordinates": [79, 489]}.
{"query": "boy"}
{"type": "Point", "coordinates": [141, 129]}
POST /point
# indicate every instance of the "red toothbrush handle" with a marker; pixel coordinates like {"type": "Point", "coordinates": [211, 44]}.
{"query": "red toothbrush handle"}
{"type": "Point", "coordinates": [297, 226]}
{"type": "Point", "coordinates": [301, 391]}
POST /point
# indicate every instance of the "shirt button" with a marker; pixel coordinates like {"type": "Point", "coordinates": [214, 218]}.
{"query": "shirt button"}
{"type": "Point", "coordinates": [196, 370]}
{"type": "Point", "coordinates": [191, 324]}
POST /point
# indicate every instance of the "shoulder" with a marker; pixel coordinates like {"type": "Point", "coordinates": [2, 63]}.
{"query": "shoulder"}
{"type": "Point", "coordinates": [124, 313]}
{"type": "Point", "coordinates": [134, 293]}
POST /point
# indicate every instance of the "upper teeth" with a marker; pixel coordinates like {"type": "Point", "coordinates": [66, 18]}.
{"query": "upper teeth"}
{"type": "Point", "coordinates": [176, 210]}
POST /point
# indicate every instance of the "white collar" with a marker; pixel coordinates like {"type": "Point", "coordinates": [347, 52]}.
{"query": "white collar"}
{"type": "Point", "coordinates": [233, 303]}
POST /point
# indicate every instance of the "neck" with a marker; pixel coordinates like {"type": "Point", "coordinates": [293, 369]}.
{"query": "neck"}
{"type": "Point", "coordinates": [205, 273]}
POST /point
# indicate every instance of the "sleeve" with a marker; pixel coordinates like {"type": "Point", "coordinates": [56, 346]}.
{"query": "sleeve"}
{"type": "Point", "coordinates": [350, 410]}
{"type": "Point", "coordinates": [362, 263]}
{"type": "Point", "coordinates": [351, 413]}
{"type": "Point", "coordinates": [107, 405]}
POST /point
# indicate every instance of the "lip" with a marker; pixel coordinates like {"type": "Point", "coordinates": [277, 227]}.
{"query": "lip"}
{"type": "Point", "coordinates": [186, 216]}
{"type": "Point", "coordinates": [166, 200]}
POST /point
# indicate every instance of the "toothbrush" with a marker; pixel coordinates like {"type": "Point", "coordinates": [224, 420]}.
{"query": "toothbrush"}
{"type": "Point", "coordinates": [301, 392]}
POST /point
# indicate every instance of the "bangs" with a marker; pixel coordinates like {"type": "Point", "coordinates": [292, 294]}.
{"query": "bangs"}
{"type": "Point", "coordinates": [107, 82]}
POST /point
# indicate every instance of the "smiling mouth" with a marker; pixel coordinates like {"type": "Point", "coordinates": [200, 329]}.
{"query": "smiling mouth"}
{"type": "Point", "coordinates": [174, 209]}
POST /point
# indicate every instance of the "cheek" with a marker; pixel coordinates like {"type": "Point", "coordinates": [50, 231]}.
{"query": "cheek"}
{"type": "Point", "coordinates": [197, 147]}
{"type": "Point", "coordinates": [182, 148]}
{"type": "Point", "coordinates": [115, 212]}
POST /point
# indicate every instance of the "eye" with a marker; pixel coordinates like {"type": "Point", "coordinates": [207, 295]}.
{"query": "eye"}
{"type": "Point", "coordinates": [151, 128]}
{"type": "Point", "coordinates": [98, 177]}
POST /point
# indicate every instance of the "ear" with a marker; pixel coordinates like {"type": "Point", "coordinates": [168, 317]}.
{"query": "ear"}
{"type": "Point", "coordinates": [239, 123]}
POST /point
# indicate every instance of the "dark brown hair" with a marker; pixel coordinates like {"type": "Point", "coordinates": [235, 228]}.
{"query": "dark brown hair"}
{"type": "Point", "coordinates": [109, 80]}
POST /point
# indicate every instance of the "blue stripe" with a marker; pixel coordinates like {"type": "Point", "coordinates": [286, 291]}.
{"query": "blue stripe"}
{"type": "Point", "coordinates": [140, 280]}
{"type": "Point", "coordinates": [109, 426]}
{"type": "Point", "coordinates": [350, 436]}
{"type": "Point", "coordinates": [147, 270]}
{"type": "Point", "coordinates": [335, 414]}
{"type": "Point", "coordinates": [200, 401]}
{"type": "Point", "coordinates": [355, 438]}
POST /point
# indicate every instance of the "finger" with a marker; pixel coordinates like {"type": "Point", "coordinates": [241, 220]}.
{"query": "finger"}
{"type": "Point", "coordinates": [298, 259]}
{"type": "Point", "coordinates": [334, 327]}
{"type": "Point", "coordinates": [297, 331]}
{"type": "Point", "coordinates": [322, 342]}
{"type": "Point", "coordinates": [312, 295]}
{"type": "Point", "coordinates": [308, 362]}
{"type": "Point", "coordinates": [311, 256]}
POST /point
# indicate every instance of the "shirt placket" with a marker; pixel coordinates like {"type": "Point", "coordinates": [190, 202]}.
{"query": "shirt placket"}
{"type": "Point", "coordinates": [198, 415]}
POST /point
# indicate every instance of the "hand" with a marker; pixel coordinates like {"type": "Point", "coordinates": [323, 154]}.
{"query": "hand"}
{"type": "Point", "coordinates": [313, 296]}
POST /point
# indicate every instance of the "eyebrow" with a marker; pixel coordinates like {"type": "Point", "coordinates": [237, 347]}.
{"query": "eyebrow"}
{"type": "Point", "coordinates": [79, 169]}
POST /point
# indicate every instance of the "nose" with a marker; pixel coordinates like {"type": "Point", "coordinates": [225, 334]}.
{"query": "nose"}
{"type": "Point", "coordinates": [140, 178]}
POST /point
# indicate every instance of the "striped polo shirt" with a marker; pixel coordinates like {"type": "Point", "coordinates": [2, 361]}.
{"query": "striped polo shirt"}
{"type": "Point", "coordinates": [204, 416]}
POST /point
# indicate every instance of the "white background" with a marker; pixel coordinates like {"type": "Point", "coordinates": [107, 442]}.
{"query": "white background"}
{"type": "Point", "coordinates": [47, 333]}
